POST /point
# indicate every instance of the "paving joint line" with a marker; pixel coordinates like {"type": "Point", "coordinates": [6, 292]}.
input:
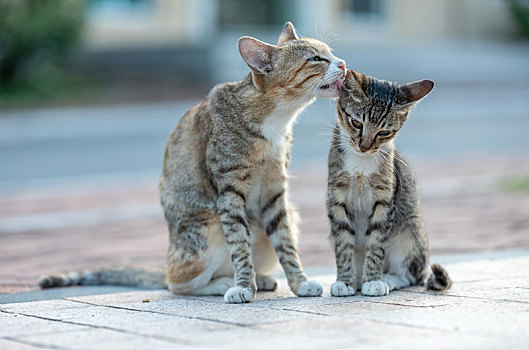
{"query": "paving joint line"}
{"type": "Point", "coordinates": [406, 305]}
{"type": "Point", "coordinates": [92, 326]}
{"type": "Point", "coordinates": [34, 344]}
{"type": "Point", "coordinates": [479, 298]}
{"type": "Point", "coordinates": [162, 313]}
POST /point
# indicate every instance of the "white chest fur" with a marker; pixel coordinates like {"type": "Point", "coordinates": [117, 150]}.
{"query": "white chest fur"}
{"type": "Point", "coordinates": [359, 164]}
{"type": "Point", "coordinates": [278, 124]}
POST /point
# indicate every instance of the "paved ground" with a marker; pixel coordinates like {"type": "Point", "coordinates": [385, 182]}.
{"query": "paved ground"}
{"type": "Point", "coordinates": [77, 225]}
{"type": "Point", "coordinates": [487, 308]}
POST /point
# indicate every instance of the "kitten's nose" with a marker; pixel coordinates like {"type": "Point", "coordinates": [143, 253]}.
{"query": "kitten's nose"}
{"type": "Point", "coordinates": [363, 149]}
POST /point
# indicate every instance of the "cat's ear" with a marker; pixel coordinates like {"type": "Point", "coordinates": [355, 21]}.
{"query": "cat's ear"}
{"type": "Point", "coordinates": [413, 92]}
{"type": "Point", "coordinates": [259, 56]}
{"type": "Point", "coordinates": [289, 33]}
{"type": "Point", "coordinates": [355, 83]}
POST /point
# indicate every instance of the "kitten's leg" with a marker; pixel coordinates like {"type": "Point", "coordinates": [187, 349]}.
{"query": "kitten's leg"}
{"type": "Point", "coordinates": [231, 207]}
{"type": "Point", "coordinates": [266, 283]}
{"type": "Point", "coordinates": [377, 234]}
{"type": "Point", "coordinates": [343, 237]}
{"type": "Point", "coordinates": [373, 285]}
{"type": "Point", "coordinates": [279, 220]}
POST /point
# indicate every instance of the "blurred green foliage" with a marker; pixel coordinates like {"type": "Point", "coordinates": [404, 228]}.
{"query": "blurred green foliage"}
{"type": "Point", "coordinates": [515, 184]}
{"type": "Point", "coordinates": [36, 37]}
{"type": "Point", "coordinates": [520, 12]}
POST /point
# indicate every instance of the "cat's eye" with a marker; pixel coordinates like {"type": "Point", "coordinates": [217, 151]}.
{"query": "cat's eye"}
{"type": "Point", "coordinates": [384, 133]}
{"type": "Point", "coordinates": [317, 59]}
{"type": "Point", "coordinates": [356, 124]}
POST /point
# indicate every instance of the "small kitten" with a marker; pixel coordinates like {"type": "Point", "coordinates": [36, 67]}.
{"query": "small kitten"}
{"type": "Point", "coordinates": [372, 199]}
{"type": "Point", "coordinates": [224, 183]}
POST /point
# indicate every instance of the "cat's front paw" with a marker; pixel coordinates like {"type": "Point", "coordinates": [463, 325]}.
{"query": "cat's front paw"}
{"type": "Point", "coordinates": [340, 289]}
{"type": "Point", "coordinates": [375, 288]}
{"type": "Point", "coordinates": [309, 289]}
{"type": "Point", "coordinates": [238, 295]}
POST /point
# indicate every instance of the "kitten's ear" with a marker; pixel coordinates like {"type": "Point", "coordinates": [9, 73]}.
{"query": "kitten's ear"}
{"type": "Point", "coordinates": [356, 84]}
{"type": "Point", "coordinates": [289, 33]}
{"type": "Point", "coordinates": [413, 92]}
{"type": "Point", "coordinates": [259, 56]}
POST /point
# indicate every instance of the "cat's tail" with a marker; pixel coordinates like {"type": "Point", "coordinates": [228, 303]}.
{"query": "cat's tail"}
{"type": "Point", "coordinates": [128, 276]}
{"type": "Point", "coordinates": [438, 279]}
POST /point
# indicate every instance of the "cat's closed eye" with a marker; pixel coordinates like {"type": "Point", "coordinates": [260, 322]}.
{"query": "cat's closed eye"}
{"type": "Point", "coordinates": [356, 124]}
{"type": "Point", "coordinates": [317, 59]}
{"type": "Point", "coordinates": [384, 133]}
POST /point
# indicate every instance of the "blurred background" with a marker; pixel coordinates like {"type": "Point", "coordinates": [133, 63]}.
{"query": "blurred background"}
{"type": "Point", "coordinates": [90, 90]}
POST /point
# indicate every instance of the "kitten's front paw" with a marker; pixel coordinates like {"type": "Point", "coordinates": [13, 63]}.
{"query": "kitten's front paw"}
{"type": "Point", "coordinates": [340, 289]}
{"type": "Point", "coordinates": [375, 288]}
{"type": "Point", "coordinates": [309, 289]}
{"type": "Point", "coordinates": [238, 295]}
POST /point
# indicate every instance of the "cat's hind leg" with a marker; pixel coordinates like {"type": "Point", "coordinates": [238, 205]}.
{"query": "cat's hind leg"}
{"type": "Point", "coordinates": [406, 261]}
{"type": "Point", "coordinates": [217, 286]}
{"type": "Point", "coordinates": [396, 281]}
{"type": "Point", "coordinates": [266, 283]}
{"type": "Point", "coordinates": [198, 260]}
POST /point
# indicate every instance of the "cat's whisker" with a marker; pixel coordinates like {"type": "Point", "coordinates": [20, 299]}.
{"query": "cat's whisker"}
{"type": "Point", "coordinates": [331, 38]}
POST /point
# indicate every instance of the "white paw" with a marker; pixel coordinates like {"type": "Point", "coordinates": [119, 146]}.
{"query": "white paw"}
{"type": "Point", "coordinates": [266, 283]}
{"type": "Point", "coordinates": [309, 289]}
{"type": "Point", "coordinates": [238, 295]}
{"type": "Point", "coordinates": [340, 289]}
{"type": "Point", "coordinates": [375, 288]}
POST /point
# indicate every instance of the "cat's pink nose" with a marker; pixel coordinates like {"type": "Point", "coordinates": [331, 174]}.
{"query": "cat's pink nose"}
{"type": "Point", "coordinates": [341, 65]}
{"type": "Point", "coordinates": [364, 149]}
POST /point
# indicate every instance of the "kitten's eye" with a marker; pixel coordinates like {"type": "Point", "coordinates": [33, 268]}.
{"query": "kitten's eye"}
{"type": "Point", "coordinates": [384, 133]}
{"type": "Point", "coordinates": [356, 124]}
{"type": "Point", "coordinates": [317, 59]}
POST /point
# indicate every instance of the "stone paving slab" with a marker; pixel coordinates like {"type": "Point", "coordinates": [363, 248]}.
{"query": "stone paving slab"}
{"type": "Point", "coordinates": [487, 308]}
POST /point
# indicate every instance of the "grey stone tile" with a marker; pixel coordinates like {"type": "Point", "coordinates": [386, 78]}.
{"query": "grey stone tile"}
{"type": "Point", "coordinates": [352, 308]}
{"type": "Point", "coordinates": [129, 297]}
{"type": "Point", "coordinates": [43, 305]}
{"type": "Point", "coordinates": [14, 345]}
{"type": "Point", "coordinates": [18, 325]}
{"type": "Point", "coordinates": [476, 321]}
{"type": "Point", "coordinates": [488, 269]}
{"type": "Point", "coordinates": [101, 339]}
{"type": "Point", "coordinates": [239, 314]}
{"type": "Point", "coordinates": [496, 292]}
{"type": "Point", "coordinates": [364, 334]}
{"type": "Point", "coordinates": [101, 316]}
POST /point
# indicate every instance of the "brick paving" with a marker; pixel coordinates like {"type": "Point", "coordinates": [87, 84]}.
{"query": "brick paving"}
{"type": "Point", "coordinates": [73, 227]}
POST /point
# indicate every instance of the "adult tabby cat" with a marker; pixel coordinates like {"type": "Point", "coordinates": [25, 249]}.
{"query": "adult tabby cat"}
{"type": "Point", "coordinates": [224, 182]}
{"type": "Point", "coordinates": [372, 199]}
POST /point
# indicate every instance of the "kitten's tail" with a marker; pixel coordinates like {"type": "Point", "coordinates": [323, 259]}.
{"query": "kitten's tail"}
{"type": "Point", "coordinates": [438, 279]}
{"type": "Point", "coordinates": [129, 276]}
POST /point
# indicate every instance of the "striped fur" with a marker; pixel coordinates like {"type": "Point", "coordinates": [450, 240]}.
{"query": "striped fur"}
{"type": "Point", "coordinates": [372, 201]}
{"type": "Point", "coordinates": [224, 185]}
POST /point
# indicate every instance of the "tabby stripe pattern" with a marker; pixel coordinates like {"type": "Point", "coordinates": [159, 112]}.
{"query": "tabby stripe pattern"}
{"type": "Point", "coordinates": [279, 221]}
